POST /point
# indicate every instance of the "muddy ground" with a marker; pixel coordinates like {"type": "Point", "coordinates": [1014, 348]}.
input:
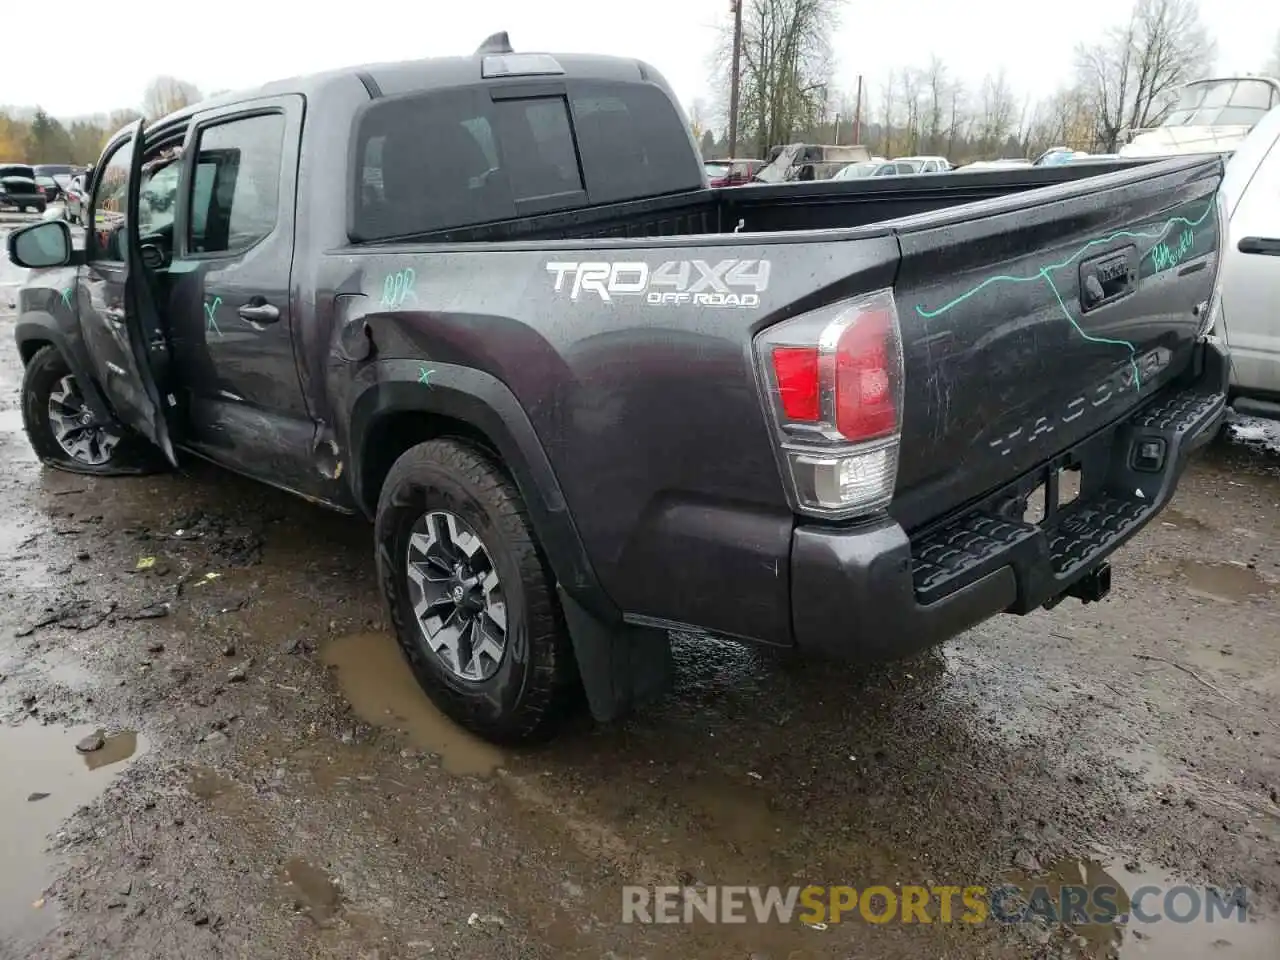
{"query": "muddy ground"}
{"type": "Point", "coordinates": [265, 780]}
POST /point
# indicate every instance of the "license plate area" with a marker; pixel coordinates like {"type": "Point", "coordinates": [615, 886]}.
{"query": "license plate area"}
{"type": "Point", "coordinates": [1045, 496]}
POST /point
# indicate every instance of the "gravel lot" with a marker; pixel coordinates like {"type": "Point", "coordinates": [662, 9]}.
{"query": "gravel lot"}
{"type": "Point", "coordinates": [269, 782]}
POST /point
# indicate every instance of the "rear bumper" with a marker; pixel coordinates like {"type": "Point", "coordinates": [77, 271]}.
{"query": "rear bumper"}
{"type": "Point", "coordinates": [874, 592]}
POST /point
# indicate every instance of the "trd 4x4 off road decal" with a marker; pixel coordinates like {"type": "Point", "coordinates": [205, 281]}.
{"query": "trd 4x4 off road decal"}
{"type": "Point", "coordinates": [728, 283]}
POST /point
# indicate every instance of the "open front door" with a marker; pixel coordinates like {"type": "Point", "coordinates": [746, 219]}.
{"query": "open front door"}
{"type": "Point", "coordinates": [127, 341]}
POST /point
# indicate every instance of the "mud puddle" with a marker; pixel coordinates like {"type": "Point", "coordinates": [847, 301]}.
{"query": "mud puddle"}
{"type": "Point", "coordinates": [1223, 582]}
{"type": "Point", "coordinates": [45, 780]}
{"type": "Point", "coordinates": [380, 688]}
{"type": "Point", "coordinates": [312, 889]}
{"type": "Point", "coordinates": [1128, 911]}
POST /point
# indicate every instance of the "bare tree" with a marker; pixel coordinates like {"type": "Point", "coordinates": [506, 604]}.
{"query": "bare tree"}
{"type": "Point", "coordinates": [888, 96]}
{"type": "Point", "coordinates": [1130, 75]}
{"type": "Point", "coordinates": [1273, 67]}
{"type": "Point", "coordinates": [786, 63]}
{"type": "Point", "coordinates": [912, 92]}
{"type": "Point", "coordinates": [698, 117]}
{"type": "Point", "coordinates": [958, 121]}
{"type": "Point", "coordinates": [998, 110]}
{"type": "Point", "coordinates": [936, 89]}
{"type": "Point", "coordinates": [167, 94]}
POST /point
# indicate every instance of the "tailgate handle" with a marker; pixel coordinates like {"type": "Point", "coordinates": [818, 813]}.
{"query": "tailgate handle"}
{"type": "Point", "coordinates": [1267, 246]}
{"type": "Point", "coordinates": [1108, 278]}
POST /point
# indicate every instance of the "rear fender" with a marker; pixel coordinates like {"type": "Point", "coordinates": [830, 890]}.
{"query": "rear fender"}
{"type": "Point", "coordinates": [620, 665]}
{"type": "Point", "coordinates": [487, 406]}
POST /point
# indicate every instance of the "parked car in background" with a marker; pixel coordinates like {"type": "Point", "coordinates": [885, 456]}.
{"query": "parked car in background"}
{"type": "Point", "coordinates": [808, 161]}
{"type": "Point", "coordinates": [49, 188]}
{"type": "Point", "coordinates": [1245, 315]}
{"type": "Point", "coordinates": [1214, 115]}
{"type": "Point", "coordinates": [731, 173]}
{"type": "Point", "coordinates": [74, 198]}
{"type": "Point", "coordinates": [1008, 163]}
{"type": "Point", "coordinates": [856, 171]}
{"type": "Point", "coordinates": [926, 164]}
{"type": "Point", "coordinates": [871, 168]}
{"type": "Point", "coordinates": [18, 188]}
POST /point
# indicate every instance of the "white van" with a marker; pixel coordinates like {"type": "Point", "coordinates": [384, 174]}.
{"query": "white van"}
{"type": "Point", "coordinates": [1247, 313]}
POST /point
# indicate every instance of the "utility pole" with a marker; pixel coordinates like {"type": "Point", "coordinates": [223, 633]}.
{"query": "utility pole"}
{"type": "Point", "coordinates": [735, 76]}
{"type": "Point", "coordinates": [857, 115]}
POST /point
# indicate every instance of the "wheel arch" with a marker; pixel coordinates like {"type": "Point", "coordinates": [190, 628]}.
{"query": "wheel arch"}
{"type": "Point", "coordinates": [36, 329]}
{"type": "Point", "coordinates": [400, 403]}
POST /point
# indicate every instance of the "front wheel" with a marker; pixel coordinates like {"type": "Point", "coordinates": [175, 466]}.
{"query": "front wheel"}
{"type": "Point", "coordinates": [63, 431]}
{"type": "Point", "coordinates": [471, 597]}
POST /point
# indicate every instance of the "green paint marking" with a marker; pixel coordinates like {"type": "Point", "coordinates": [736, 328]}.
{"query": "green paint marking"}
{"type": "Point", "coordinates": [424, 375]}
{"type": "Point", "coordinates": [66, 297]}
{"type": "Point", "coordinates": [398, 289]}
{"type": "Point", "coordinates": [211, 316]}
{"type": "Point", "coordinates": [1163, 256]}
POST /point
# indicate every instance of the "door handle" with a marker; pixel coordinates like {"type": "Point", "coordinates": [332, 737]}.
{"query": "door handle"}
{"type": "Point", "coordinates": [259, 313]}
{"type": "Point", "coordinates": [1267, 246]}
{"type": "Point", "coordinates": [1108, 278]}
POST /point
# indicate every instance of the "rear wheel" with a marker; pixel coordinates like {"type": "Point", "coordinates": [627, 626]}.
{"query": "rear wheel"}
{"type": "Point", "coordinates": [471, 597]}
{"type": "Point", "coordinates": [62, 429]}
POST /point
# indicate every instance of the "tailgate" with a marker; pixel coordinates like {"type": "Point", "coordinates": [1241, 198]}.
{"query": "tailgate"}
{"type": "Point", "coordinates": [1031, 321]}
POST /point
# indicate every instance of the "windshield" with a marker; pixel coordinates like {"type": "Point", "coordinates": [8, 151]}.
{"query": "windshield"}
{"type": "Point", "coordinates": [717, 169]}
{"type": "Point", "coordinates": [1221, 103]}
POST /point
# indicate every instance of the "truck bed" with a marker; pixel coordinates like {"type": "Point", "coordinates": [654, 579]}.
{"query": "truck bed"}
{"type": "Point", "coordinates": [818, 205]}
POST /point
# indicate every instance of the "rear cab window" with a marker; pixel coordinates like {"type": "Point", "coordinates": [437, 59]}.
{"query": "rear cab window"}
{"type": "Point", "coordinates": [460, 157]}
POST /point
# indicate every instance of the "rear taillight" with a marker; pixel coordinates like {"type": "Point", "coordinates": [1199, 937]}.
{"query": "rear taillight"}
{"type": "Point", "coordinates": [833, 380]}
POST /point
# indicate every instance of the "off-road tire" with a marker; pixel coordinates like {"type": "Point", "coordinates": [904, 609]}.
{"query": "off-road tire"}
{"type": "Point", "coordinates": [131, 456]}
{"type": "Point", "coordinates": [535, 686]}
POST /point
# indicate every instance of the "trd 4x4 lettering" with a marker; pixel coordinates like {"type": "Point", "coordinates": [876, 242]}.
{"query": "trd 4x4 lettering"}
{"type": "Point", "coordinates": [673, 282]}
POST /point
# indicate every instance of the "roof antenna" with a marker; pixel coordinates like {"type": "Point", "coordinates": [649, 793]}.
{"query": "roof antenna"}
{"type": "Point", "coordinates": [497, 43]}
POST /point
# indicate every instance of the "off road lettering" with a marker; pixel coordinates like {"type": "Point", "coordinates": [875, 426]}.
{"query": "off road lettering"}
{"type": "Point", "coordinates": [725, 283]}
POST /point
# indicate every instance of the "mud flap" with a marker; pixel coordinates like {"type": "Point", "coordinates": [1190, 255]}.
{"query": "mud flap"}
{"type": "Point", "coordinates": [622, 667]}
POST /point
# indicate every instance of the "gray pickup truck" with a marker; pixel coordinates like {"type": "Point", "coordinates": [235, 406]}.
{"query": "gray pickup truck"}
{"type": "Point", "coordinates": [490, 303]}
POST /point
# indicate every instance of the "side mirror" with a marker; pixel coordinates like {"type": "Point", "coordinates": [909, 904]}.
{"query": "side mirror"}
{"type": "Point", "coordinates": [44, 244]}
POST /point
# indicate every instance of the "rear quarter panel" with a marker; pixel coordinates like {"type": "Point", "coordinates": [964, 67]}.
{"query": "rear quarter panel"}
{"type": "Point", "coordinates": [649, 413]}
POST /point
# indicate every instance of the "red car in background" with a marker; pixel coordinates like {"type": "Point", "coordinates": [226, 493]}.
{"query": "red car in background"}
{"type": "Point", "coordinates": [731, 173]}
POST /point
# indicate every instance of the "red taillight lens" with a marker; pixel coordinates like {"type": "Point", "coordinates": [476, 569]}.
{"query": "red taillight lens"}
{"type": "Point", "coordinates": [833, 381]}
{"type": "Point", "coordinates": [866, 407]}
{"type": "Point", "coordinates": [796, 370]}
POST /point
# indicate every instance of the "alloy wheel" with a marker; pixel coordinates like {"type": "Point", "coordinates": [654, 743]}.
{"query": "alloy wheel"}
{"type": "Point", "coordinates": [457, 595]}
{"type": "Point", "coordinates": [74, 426]}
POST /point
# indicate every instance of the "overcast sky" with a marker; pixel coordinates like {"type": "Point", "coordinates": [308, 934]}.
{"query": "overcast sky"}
{"type": "Point", "coordinates": [240, 43]}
